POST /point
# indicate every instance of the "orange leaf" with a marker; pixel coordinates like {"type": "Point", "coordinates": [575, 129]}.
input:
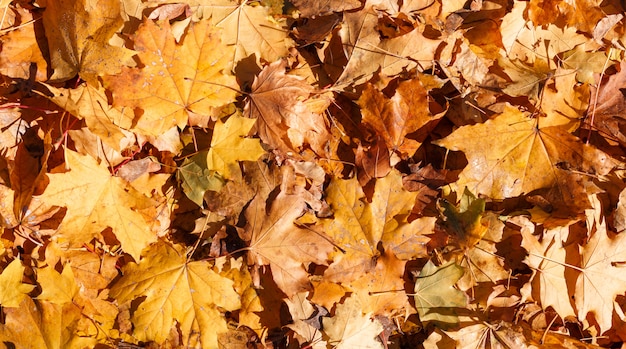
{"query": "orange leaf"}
{"type": "Point", "coordinates": [178, 80]}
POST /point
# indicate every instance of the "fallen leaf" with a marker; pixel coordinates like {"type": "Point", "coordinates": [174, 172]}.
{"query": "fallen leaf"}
{"type": "Point", "coordinates": [350, 328]}
{"type": "Point", "coordinates": [358, 226]}
{"type": "Point", "coordinates": [92, 197]}
{"type": "Point", "coordinates": [310, 8]}
{"type": "Point", "coordinates": [287, 248]}
{"type": "Point", "coordinates": [177, 80]}
{"type": "Point", "coordinates": [78, 34]}
{"type": "Point", "coordinates": [396, 117]}
{"type": "Point", "coordinates": [40, 324]}
{"type": "Point", "coordinates": [436, 298]}
{"type": "Point", "coordinates": [176, 290]}
{"type": "Point", "coordinates": [229, 146]}
{"type": "Point", "coordinates": [530, 157]}
{"type": "Point", "coordinates": [12, 290]}
{"type": "Point", "coordinates": [57, 288]}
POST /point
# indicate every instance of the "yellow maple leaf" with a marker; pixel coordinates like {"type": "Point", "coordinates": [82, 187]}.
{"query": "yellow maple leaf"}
{"type": "Point", "coordinates": [90, 103]}
{"type": "Point", "coordinates": [176, 290]}
{"type": "Point", "coordinates": [12, 289]}
{"type": "Point", "coordinates": [350, 328]}
{"type": "Point", "coordinates": [177, 80]}
{"type": "Point", "coordinates": [359, 226]}
{"type": "Point", "coordinates": [96, 200]}
{"type": "Point", "coordinates": [229, 145]}
{"type": "Point", "coordinates": [249, 29]}
{"type": "Point", "coordinates": [41, 324]}
{"type": "Point", "coordinates": [524, 157]}
{"type": "Point", "coordinates": [78, 34]}
{"type": "Point", "coordinates": [57, 288]}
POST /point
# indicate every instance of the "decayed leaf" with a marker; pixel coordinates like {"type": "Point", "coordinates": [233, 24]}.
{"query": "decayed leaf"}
{"type": "Point", "coordinates": [350, 328]}
{"type": "Point", "coordinates": [40, 324]}
{"type": "Point", "coordinates": [312, 8]}
{"type": "Point", "coordinates": [525, 157]}
{"type": "Point", "coordinates": [228, 146]}
{"type": "Point", "coordinates": [78, 33]}
{"type": "Point", "coordinates": [178, 80]}
{"type": "Point", "coordinates": [396, 117]}
{"type": "Point", "coordinates": [12, 290]}
{"type": "Point", "coordinates": [92, 197]}
{"type": "Point", "coordinates": [285, 247]}
{"type": "Point", "coordinates": [276, 102]}
{"type": "Point", "coordinates": [176, 290]}
{"type": "Point", "coordinates": [436, 299]}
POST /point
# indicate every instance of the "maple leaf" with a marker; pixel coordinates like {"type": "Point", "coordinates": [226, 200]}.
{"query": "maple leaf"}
{"type": "Point", "coordinates": [78, 33]}
{"type": "Point", "coordinates": [396, 117]}
{"type": "Point", "coordinates": [350, 328]}
{"type": "Point", "coordinates": [435, 296]}
{"type": "Point", "coordinates": [359, 226]}
{"type": "Point", "coordinates": [228, 146]}
{"type": "Point", "coordinates": [177, 80]}
{"type": "Point", "coordinates": [20, 52]}
{"type": "Point", "coordinates": [276, 102]}
{"type": "Point", "coordinates": [57, 288]}
{"type": "Point", "coordinates": [250, 29]}
{"type": "Point", "coordinates": [196, 178]}
{"type": "Point", "coordinates": [526, 157]}
{"type": "Point", "coordinates": [92, 197]}
{"type": "Point", "coordinates": [601, 276]}
{"type": "Point", "coordinates": [381, 290]}
{"type": "Point", "coordinates": [40, 324]}
{"type": "Point", "coordinates": [607, 106]}
{"type": "Point", "coordinates": [12, 290]}
{"type": "Point", "coordinates": [306, 319]}
{"type": "Point", "coordinates": [176, 290]}
{"type": "Point", "coordinates": [288, 249]}
{"type": "Point", "coordinates": [90, 103]}
{"type": "Point", "coordinates": [464, 221]}
{"type": "Point", "coordinates": [547, 258]}
{"type": "Point", "coordinates": [312, 8]}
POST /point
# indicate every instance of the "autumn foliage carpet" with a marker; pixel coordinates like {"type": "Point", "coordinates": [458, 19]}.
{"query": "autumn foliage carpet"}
{"type": "Point", "coordinates": [312, 174]}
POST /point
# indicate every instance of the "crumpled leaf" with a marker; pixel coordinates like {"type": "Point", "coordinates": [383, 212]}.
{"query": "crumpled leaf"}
{"type": "Point", "coordinates": [288, 249]}
{"type": "Point", "coordinates": [396, 117]}
{"type": "Point", "coordinates": [176, 290]}
{"type": "Point", "coordinates": [314, 8]}
{"type": "Point", "coordinates": [277, 104]}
